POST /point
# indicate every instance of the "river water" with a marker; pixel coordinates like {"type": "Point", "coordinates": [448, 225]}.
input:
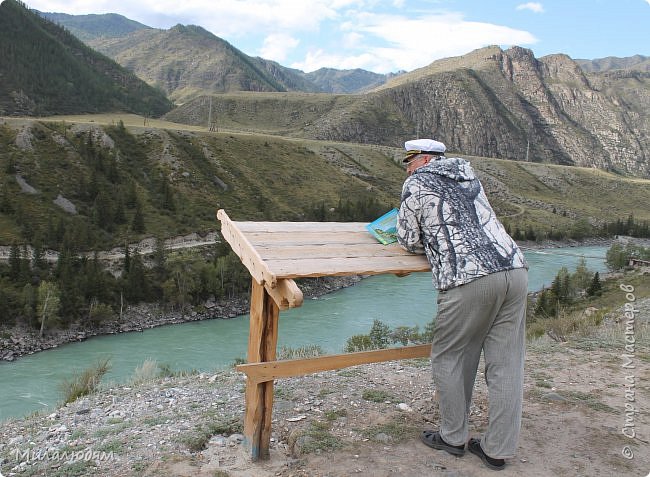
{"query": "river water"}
{"type": "Point", "coordinates": [32, 382]}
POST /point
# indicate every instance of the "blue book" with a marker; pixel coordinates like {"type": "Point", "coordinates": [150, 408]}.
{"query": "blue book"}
{"type": "Point", "coordinates": [384, 229]}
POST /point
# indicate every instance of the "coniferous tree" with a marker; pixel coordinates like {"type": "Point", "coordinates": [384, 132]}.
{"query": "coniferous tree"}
{"type": "Point", "coordinates": [136, 284]}
{"type": "Point", "coordinates": [137, 225]}
{"type": "Point", "coordinates": [595, 288]}
{"type": "Point", "coordinates": [120, 215]}
{"type": "Point", "coordinates": [15, 260]}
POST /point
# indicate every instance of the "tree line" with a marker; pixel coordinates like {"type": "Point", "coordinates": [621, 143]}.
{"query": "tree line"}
{"type": "Point", "coordinates": [580, 230]}
{"type": "Point", "coordinates": [80, 290]}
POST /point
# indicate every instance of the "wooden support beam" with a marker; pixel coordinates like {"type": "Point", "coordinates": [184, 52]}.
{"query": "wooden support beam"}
{"type": "Point", "coordinates": [258, 269]}
{"type": "Point", "coordinates": [262, 345]}
{"type": "Point", "coordinates": [267, 372]}
{"type": "Point", "coordinates": [286, 294]}
{"type": "Point", "coordinates": [348, 266]}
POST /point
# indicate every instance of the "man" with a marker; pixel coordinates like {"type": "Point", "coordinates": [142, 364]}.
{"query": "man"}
{"type": "Point", "coordinates": [482, 279]}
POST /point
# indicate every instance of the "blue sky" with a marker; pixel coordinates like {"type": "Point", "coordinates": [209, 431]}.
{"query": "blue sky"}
{"type": "Point", "coordinates": [392, 35]}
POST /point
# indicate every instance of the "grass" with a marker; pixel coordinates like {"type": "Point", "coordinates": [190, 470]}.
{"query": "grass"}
{"type": "Point", "coordinates": [587, 399]}
{"type": "Point", "coordinates": [301, 352]}
{"type": "Point", "coordinates": [113, 428]}
{"type": "Point", "coordinates": [84, 383]}
{"type": "Point", "coordinates": [155, 420]}
{"type": "Point", "coordinates": [379, 396]}
{"type": "Point", "coordinates": [396, 430]}
{"type": "Point", "coordinates": [116, 446]}
{"type": "Point", "coordinates": [146, 372]}
{"type": "Point", "coordinates": [282, 392]}
{"type": "Point", "coordinates": [334, 414]}
{"type": "Point", "coordinates": [75, 469]}
{"type": "Point", "coordinates": [196, 440]}
{"type": "Point", "coordinates": [318, 438]}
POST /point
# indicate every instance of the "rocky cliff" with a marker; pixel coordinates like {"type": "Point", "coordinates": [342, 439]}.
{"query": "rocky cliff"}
{"type": "Point", "coordinates": [509, 104]}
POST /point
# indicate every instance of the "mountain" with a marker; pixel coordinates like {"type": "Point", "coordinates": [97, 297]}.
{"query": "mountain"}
{"type": "Point", "coordinates": [185, 61]}
{"type": "Point", "coordinates": [636, 62]}
{"type": "Point", "coordinates": [117, 37]}
{"type": "Point", "coordinates": [331, 80]}
{"type": "Point", "coordinates": [89, 27]}
{"type": "Point", "coordinates": [46, 70]}
{"type": "Point", "coordinates": [490, 102]}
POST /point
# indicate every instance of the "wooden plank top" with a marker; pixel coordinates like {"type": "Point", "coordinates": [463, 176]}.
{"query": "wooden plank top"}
{"type": "Point", "coordinates": [280, 250]}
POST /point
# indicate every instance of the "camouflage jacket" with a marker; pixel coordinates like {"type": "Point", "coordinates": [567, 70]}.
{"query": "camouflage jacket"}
{"type": "Point", "coordinates": [444, 211]}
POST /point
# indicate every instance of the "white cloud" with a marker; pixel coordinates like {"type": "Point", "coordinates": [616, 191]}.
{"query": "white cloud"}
{"type": "Point", "coordinates": [408, 43]}
{"type": "Point", "coordinates": [535, 7]}
{"type": "Point", "coordinates": [318, 58]}
{"type": "Point", "coordinates": [277, 45]}
{"type": "Point", "coordinates": [223, 17]}
{"type": "Point", "coordinates": [352, 40]}
{"type": "Point", "coordinates": [332, 33]}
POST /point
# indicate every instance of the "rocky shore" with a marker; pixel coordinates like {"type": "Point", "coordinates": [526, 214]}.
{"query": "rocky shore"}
{"type": "Point", "coordinates": [19, 341]}
{"type": "Point", "coordinates": [363, 420]}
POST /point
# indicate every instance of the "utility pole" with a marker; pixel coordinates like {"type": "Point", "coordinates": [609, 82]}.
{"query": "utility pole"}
{"type": "Point", "coordinates": [527, 148]}
{"type": "Point", "coordinates": [212, 125]}
{"type": "Point", "coordinates": [210, 115]}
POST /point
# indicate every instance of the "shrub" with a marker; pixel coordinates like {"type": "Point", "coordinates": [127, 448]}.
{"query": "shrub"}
{"type": "Point", "coordinates": [379, 335]}
{"type": "Point", "coordinates": [84, 383]}
{"type": "Point", "coordinates": [307, 351]}
{"type": "Point", "coordinates": [146, 372]}
{"type": "Point", "coordinates": [358, 343]}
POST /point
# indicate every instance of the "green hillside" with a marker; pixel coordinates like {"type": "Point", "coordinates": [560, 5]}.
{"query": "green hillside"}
{"type": "Point", "coordinates": [46, 70]}
{"type": "Point", "coordinates": [128, 182]}
{"type": "Point", "coordinates": [187, 60]}
{"type": "Point", "coordinates": [88, 27]}
{"type": "Point", "coordinates": [176, 180]}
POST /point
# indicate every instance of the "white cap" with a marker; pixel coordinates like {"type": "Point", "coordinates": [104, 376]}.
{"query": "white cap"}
{"type": "Point", "coordinates": [425, 145]}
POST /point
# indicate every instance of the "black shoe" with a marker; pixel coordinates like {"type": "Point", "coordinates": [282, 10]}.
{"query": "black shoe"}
{"type": "Point", "coordinates": [435, 441]}
{"type": "Point", "coordinates": [474, 446]}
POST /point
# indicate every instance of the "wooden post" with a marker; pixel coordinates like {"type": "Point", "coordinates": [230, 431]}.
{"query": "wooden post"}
{"type": "Point", "coordinates": [262, 345]}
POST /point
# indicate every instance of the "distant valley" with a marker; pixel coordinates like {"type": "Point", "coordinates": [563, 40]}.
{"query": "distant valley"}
{"type": "Point", "coordinates": [491, 102]}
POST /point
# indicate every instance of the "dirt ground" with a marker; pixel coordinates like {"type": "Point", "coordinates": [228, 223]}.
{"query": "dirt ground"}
{"type": "Point", "coordinates": [575, 410]}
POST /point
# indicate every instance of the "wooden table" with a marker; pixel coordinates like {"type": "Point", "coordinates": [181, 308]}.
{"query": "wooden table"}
{"type": "Point", "coordinates": [277, 252]}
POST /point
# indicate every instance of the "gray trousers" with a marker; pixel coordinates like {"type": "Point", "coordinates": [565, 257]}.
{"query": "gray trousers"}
{"type": "Point", "coordinates": [489, 315]}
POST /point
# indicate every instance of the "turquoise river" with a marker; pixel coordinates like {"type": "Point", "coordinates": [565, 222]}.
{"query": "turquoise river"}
{"type": "Point", "coordinates": [31, 383]}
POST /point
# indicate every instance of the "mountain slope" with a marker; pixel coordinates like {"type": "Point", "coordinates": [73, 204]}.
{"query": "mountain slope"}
{"type": "Point", "coordinates": [599, 65]}
{"type": "Point", "coordinates": [494, 103]}
{"type": "Point", "coordinates": [185, 61]}
{"type": "Point", "coordinates": [88, 27]}
{"type": "Point", "coordinates": [89, 183]}
{"type": "Point", "coordinates": [331, 80]}
{"type": "Point", "coordinates": [46, 70]}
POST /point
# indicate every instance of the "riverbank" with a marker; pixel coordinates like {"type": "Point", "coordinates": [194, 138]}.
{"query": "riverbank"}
{"type": "Point", "coordinates": [363, 420]}
{"type": "Point", "coordinates": [19, 340]}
